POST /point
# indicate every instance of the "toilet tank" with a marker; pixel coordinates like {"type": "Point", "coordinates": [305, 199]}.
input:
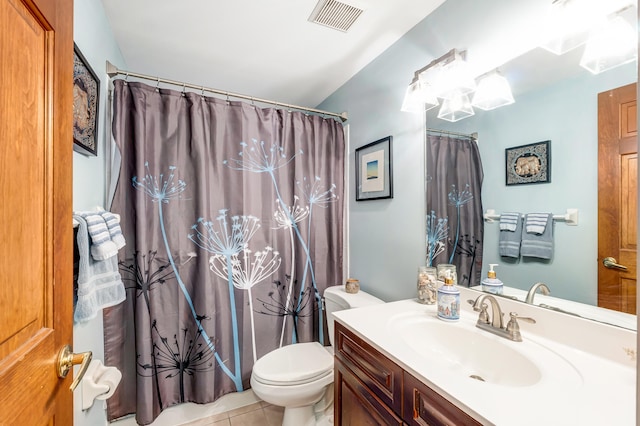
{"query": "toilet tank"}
{"type": "Point", "coordinates": [337, 299]}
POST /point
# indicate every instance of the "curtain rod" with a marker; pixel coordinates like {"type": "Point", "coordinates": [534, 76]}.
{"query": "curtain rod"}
{"type": "Point", "coordinates": [473, 136]}
{"type": "Point", "coordinates": [113, 71]}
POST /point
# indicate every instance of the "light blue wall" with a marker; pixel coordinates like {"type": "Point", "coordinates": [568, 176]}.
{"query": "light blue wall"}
{"type": "Point", "coordinates": [92, 34]}
{"type": "Point", "coordinates": [387, 236]}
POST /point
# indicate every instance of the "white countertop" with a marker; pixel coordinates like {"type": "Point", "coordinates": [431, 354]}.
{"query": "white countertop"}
{"type": "Point", "coordinates": [598, 389]}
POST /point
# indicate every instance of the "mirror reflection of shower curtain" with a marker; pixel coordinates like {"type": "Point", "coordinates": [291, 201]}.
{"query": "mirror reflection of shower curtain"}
{"type": "Point", "coordinates": [455, 224]}
{"type": "Point", "coordinates": [233, 217]}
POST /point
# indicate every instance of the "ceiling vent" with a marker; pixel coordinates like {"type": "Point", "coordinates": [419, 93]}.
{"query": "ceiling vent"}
{"type": "Point", "coordinates": [334, 14]}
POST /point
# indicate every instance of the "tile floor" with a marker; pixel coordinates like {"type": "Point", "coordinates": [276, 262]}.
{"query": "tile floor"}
{"type": "Point", "coordinates": [233, 409]}
{"type": "Point", "coordinates": [259, 413]}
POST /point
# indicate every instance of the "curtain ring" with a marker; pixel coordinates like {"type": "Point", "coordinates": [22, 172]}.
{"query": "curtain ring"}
{"type": "Point", "coordinates": [252, 103]}
{"type": "Point", "coordinates": [126, 76]}
{"type": "Point", "coordinates": [184, 89]}
{"type": "Point", "coordinates": [158, 84]}
{"type": "Point", "coordinates": [228, 102]}
{"type": "Point", "coordinates": [202, 92]}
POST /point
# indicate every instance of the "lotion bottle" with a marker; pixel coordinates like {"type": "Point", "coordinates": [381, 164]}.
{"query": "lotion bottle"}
{"type": "Point", "coordinates": [492, 284]}
{"type": "Point", "coordinates": [448, 300]}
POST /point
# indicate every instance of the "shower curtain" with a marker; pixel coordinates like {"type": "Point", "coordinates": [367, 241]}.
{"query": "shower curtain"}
{"type": "Point", "coordinates": [233, 220]}
{"type": "Point", "coordinates": [455, 224]}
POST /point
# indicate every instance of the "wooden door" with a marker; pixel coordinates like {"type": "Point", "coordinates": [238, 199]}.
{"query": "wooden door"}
{"type": "Point", "coordinates": [617, 197]}
{"type": "Point", "coordinates": [36, 55]}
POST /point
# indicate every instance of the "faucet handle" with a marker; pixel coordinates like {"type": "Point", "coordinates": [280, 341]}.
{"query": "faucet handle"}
{"type": "Point", "coordinates": [483, 317]}
{"type": "Point", "coordinates": [526, 319]}
{"type": "Point", "coordinates": [513, 321]}
{"type": "Point", "coordinates": [513, 328]}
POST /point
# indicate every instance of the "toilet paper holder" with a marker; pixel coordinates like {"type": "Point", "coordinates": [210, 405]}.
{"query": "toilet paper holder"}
{"type": "Point", "coordinates": [99, 382]}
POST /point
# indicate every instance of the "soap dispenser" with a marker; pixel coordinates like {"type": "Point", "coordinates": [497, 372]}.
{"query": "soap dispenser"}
{"type": "Point", "coordinates": [491, 284]}
{"type": "Point", "coordinates": [448, 300]}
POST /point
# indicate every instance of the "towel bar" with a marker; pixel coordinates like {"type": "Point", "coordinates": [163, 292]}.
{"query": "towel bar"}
{"type": "Point", "coordinates": [98, 209]}
{"type": "Point", "coordinates": [570, 217]}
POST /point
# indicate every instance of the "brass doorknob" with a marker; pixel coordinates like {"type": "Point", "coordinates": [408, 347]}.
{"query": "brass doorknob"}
{"type": "Point", "coordinates": [67, 359]}
{"type": "Point", "coordinates": [612, 263]}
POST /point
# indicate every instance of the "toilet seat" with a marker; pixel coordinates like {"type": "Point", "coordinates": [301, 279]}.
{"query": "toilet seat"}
{"type": "Point", "coordinates": [294, 365]}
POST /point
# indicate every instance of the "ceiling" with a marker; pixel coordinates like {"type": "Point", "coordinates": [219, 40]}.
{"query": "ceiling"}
{"type": "Point", "coordinates": [266, 49]}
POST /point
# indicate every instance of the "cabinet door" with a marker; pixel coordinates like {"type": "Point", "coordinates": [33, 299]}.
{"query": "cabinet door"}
{"type": "Point", "coordinates": [356, 405]}
{"type": "Point", "coordinates": [425, 407]}
{"type": "Point", "coordinates": [381, 375]}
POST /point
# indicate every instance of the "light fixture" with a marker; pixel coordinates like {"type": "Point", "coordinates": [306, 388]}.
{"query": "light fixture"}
{"type": "Point", "coordinates": [456, 107]}
{"type": "Point", "coordinates": [450, 75]}
{"type": "Point", "coordinates": [493, 91]}
{"type": "Point", "coordinates": [568, 23]}
{"type": "Point", "coordinates": [419, 97]}
{"type": "Point", "coordinates": [450, 78]}
{"type": "Point", "coordinates": [611, 45]}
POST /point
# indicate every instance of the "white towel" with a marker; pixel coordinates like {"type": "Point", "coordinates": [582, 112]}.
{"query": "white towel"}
{"type": "Point", "coordinates": [509, 221]}
{"type": "Point", "coordinates": [99, 282]}
{"type": "Point", "coordinates": [536, 223]}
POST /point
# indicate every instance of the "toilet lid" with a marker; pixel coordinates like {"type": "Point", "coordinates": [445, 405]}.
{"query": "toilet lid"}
{"type": "Point", "coordinates": [294, 364]}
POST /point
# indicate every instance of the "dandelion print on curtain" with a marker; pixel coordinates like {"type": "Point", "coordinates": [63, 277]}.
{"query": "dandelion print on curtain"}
{"type": "Point", "coordinates": [233, 221]}
{"type": "Point", "coordinates": [455, 224]}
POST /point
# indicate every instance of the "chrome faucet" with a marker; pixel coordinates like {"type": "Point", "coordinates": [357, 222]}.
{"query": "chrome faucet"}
{"type": "Point", "coordinates": [496, 324]}
{"type": "Point", "coordinates": [532, 292]}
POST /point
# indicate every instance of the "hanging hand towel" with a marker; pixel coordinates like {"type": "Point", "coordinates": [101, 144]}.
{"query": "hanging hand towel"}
{"type": "Point", "coordinates": [538, 245]}
{"type": "Point", "coordinates": [99, 282]}
{"type": "Point", "coordinates": [509, 221]}
{"type": "Point", "coordinates": [101, 245]}
{"type": "Point", "coordinates": [113, 225]}
{"type": "Point", "coordinates": [536, 223]}
{"type": "Point", "coordinates": [509, 243]}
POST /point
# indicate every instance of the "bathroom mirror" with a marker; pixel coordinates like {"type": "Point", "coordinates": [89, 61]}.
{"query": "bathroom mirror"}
{"type": "Point", "coordinates": [555, 100]}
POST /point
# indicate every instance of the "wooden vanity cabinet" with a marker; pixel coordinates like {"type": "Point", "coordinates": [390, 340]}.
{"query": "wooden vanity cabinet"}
{"type": "Point", "coordinates": [423, 406]}
{"type": "Point", "coordinates": [370, 389]}
{"type": "Point", "coordinates": [358, 405]}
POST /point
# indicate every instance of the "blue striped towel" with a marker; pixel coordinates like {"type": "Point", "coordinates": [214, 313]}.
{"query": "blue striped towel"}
{"type": "Point", "coordinates": [538, 245]}
{"type": "Point", "coordinates": [509, 242]}
{"type": "Point", "coordinates": [113, 225]}
{"type": "Point", "coordinates": [536, 223]}
{"type": "Point", "coordinates": [101, 245]}
{"type": "Point", "coordinates": [99, 282]}
{"type": "Point", "coordinates": [509, 221]}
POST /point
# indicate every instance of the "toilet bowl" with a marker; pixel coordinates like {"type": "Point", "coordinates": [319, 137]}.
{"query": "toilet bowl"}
{"type": "Point", "coordinates": [300, 375]}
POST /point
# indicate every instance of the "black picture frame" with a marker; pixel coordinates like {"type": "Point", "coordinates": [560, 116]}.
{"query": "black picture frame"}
{"type": "Point", "coordinates": [527, 164]}
{"type": "Point", "coordinates": [374, 170]}
{"type": "Point", "coordinates": [86, 100]}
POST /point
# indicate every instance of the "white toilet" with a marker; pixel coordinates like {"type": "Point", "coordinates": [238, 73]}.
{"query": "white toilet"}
{"type": "Point", "coordinates": [298, 376]}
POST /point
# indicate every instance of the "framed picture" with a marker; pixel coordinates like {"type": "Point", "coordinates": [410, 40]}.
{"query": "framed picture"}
{"type": "Point", "coordinates": [86, 98]}
{"type": "Point", "coordinates": [374, 177]}
{"type": "Point", "coordinates": [528, 163]}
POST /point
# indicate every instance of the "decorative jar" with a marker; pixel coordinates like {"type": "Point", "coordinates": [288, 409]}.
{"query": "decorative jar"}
{"type": "Point", "coordinates": [427, 284]}
{"type": "Point", "coordinates": [352, 285]}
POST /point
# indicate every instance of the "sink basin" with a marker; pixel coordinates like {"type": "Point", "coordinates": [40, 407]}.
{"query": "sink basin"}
{"type": "Point", "coordinates": [466, 351]}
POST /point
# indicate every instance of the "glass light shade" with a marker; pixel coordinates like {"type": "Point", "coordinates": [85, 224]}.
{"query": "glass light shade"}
{"type": "Point", "coordinates": [493, 91]}
{"type": "Point", "coordinates": [568, 23]}
{"type": "Point", "coordinates": [614, 44]}
{"type": "Point", "coordinates": [448, 80]}
{"type": "Point", "coordinates": [457, 107]}
{"type": "Point", "coordinates": [418, 98]}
